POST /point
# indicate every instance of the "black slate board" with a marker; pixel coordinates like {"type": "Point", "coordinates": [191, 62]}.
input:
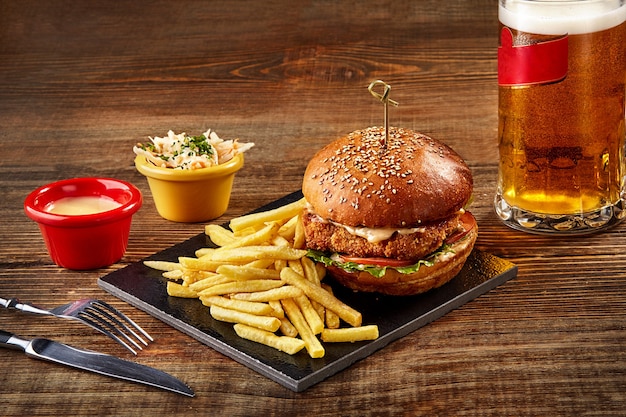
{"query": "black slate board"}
{"type": "Point", "coordinates": [145, 289]}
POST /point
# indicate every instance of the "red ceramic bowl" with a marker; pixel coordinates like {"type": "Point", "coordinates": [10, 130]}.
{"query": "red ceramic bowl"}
{"type": "Point", "coordinates": [85, 241]}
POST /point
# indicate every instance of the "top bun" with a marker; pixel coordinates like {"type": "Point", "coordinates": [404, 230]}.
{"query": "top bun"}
{"type": "Point", "coordinates": [415, 179]}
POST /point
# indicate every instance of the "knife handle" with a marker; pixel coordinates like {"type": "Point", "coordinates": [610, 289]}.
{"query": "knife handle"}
{"type": "Point", "coordinates": [11, 341]}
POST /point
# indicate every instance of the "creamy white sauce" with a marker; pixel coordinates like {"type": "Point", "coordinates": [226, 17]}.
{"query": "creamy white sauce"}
{"type": "Point", "coordinates": [375, 235]}
{"type": "Point", "coordinates": [76, 206]}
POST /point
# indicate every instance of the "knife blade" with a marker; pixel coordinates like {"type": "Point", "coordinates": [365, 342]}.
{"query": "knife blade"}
{"type": "Point", "coordinates": [99, 363]}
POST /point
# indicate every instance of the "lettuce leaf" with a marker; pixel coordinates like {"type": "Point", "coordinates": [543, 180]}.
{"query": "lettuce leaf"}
{"type": "Point", "coordinates": [375, 270]}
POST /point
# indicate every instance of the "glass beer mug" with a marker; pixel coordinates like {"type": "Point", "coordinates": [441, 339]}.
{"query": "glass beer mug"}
{"type": "Point", "coordinates": [561, 115]}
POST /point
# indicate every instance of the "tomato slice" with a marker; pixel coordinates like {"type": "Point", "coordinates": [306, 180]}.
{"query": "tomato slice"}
{"type": "Point", "coordinates": [382, 262]}
{"type": "Point", "coordinates": [468, 222]}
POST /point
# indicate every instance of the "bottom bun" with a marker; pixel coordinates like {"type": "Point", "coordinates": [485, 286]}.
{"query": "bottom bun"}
{"type": "Point", "coordinates": [446, 267]}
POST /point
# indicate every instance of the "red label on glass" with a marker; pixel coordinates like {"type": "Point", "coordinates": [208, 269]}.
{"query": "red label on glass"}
{"type": "Point", "coordinates": [539, 63]}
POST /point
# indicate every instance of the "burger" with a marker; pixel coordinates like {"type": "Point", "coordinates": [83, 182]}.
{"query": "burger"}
{"type": "Point", "coordinates": [386, 213]}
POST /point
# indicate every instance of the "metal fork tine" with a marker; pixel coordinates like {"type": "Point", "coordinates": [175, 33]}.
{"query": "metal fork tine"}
{"type": "Point", "coordinates": [127, 320]}
{"type": "Point", "coordinates": [114, 324]}
{"type": "Point", "coordinates": [110, 322]}
{"type": "Point", "coordinates": [87, 318]}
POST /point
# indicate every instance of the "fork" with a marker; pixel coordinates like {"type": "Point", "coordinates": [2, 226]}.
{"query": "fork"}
{"type": "Point", "coordinates": [96, 314]}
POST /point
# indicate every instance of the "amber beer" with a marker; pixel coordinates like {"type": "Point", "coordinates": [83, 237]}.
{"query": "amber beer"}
{"type": "Point", "coordinates": [562, 75]}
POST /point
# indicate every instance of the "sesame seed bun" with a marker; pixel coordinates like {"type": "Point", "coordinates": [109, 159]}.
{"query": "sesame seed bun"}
{"type": "Point", "coordinates": [414, 179]}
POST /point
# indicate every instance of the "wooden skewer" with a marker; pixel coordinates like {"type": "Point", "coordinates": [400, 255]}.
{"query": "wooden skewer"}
{"type": "Point", "coordinates": [384, 97]}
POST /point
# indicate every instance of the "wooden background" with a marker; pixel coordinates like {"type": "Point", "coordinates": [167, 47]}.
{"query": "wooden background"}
{"type": "Point", "coordinates": [82, 82]}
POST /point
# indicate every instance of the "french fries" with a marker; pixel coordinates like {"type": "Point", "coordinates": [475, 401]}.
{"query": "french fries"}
{"type": "Point", "coordinates": [350, 334]}
{"type": "Point", "coordinates": [274, 294]}
{"type": "Point", "coordinates": [287, 344]}
{"type": "Point", "coordinates": [219, 235]}
{"type": "Point", "coordinates": [311, 342]}
{"type": "Point", "coordinates": [322, 296]}
{"type": "Point", "coordinates": [175, 289]}
{"type": "Point", "coordinates": [268, 323]}
{"type": "Point", "coordinates": [254, 285]}
{"type": "Point", "coordinates": [279, 214]}
{"type": "Point", "coordinates": [311, 316]}
{"type": "Point", "coordinates": [259, 279]}
{"type": "Point", "coordinates": [250, 307]}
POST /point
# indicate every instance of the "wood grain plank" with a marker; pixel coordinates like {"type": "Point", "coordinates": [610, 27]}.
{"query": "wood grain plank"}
{"type": "Point", "coordinates": [82, 82]}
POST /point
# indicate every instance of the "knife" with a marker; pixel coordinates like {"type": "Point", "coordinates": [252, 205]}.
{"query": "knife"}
{"type": "Point", "coordinates": [95, 362]}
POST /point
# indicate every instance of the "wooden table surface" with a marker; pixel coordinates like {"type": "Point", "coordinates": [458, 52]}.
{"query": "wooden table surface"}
{"type": "Point", "coordinates": [82, 82]}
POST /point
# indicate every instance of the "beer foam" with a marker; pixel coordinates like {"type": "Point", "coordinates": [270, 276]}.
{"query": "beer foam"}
{"type": "Point", "coordinates": [550, 17]}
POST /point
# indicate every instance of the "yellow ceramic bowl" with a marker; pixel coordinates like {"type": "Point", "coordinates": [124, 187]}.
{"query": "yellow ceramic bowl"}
{"type": "Point", "coordinates": [190, 195]}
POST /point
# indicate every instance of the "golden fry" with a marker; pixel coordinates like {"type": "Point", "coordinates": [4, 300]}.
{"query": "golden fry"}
{"type": "Point", "coordinates": [280, 241]}
{"type": "Point", "coordinates": [252, 253]}
{"type": "Point", "coordinates": [285, 344]}
{"type": "Point", "coordinates": [279, 264]}
{"type": "Point", "coordinates": [321, 270]}
{"type": "Point", "coordinates": [176, 274]}
{"type": "Point", "coordinates": [266, 234]}
{"type": "Point", "coordinates": [274, 294]}
{"type": "Point", "coordinates": [243, 272]}
{"type": "Point", "coordinates": [191, 275]}
{"type": "Point", "coordinates": [260, 263]}
{"type": "Point", "coordinates": [278, 308]}
{"type": "Point", "coordinates": [280, 213]}
{"type": "Point", "coordinates": [175, 289]}
{"type": "Point", "coordinates": [203, 252]}
{"type": "Point", "coordinates": [248, 230]}
{"type": "Point", "coordinates": [199, 264]}
{"type": "Point", "coordinates": [298, 239]}
{"type": "Point", "coordinates": [288, 230]}
{"type": "Point", "coordinates": [309, 270]}
{"type": "Point", "coordinates": [332, 319]}
{"type": "Point", "coordinates": [258, 309]}
{"type": "Point", "coordinates": [287, 328]}
{"type": "Point", "coordinates": [162, 265]}
{"type": "Point", "coordinates": [314, 292]}
{"type": "Point", "coordinates": [241, 286]}
{"type": "Point", "coordinates": [310, 314]}
{"type": "Point", "coordinates": [319, 309]}
{"type": "Point", "coordinates": [350, 334]}
{"type": "Point", "coordinates": [311, 343]}
{"type": "Point", "coordinates": [296, 265]}
{"type": "Point", "coordinates": [271, 324]}
{"type": "Point", "coordinates": [208, 282]}
{"type": "Point", "coordinates": [219, 235]}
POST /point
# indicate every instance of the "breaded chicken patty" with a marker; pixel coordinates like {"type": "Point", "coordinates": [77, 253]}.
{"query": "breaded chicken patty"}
{"type": "Point", "coordinates": [325, 236]}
